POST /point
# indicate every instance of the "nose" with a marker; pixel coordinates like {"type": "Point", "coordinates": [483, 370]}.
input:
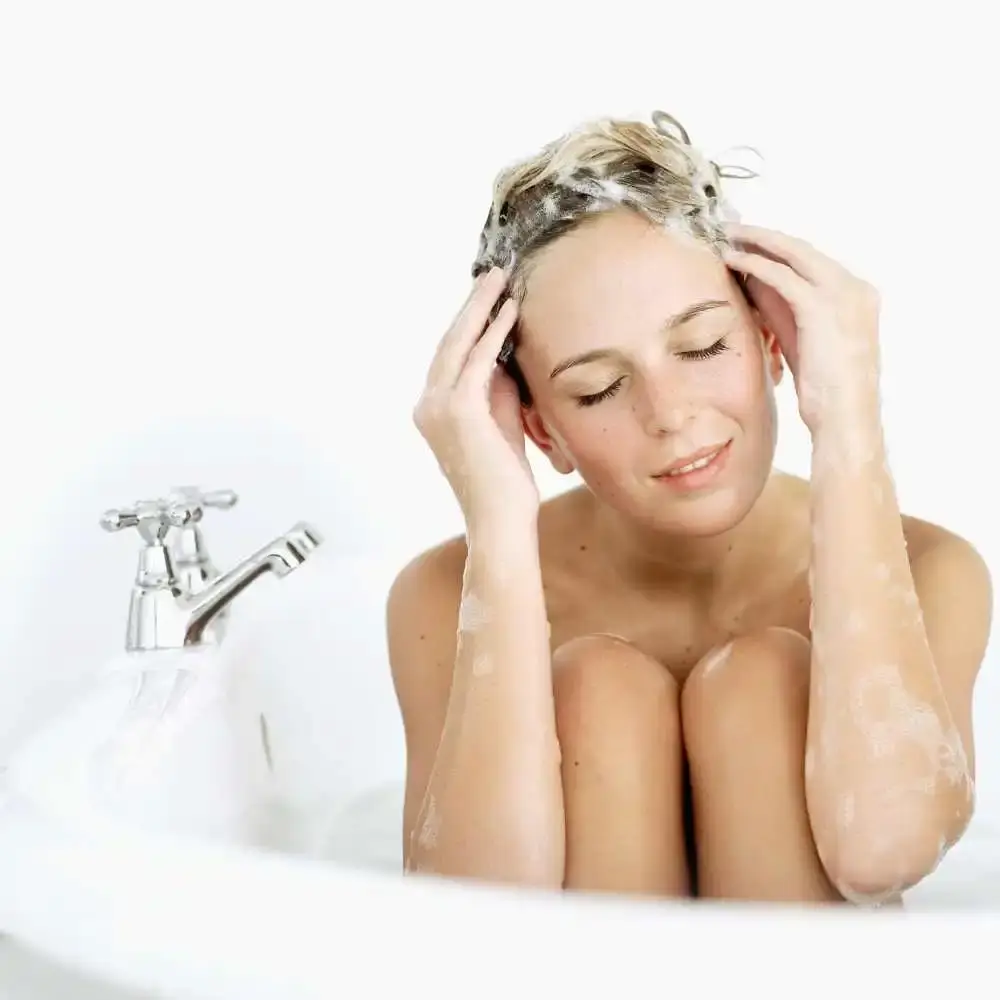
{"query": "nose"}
{"type": "Point", "coordinates": [665, 408]}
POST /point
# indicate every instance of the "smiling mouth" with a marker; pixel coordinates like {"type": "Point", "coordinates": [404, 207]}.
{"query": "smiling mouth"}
{"type": "Point", "coordinates": [698, 460]}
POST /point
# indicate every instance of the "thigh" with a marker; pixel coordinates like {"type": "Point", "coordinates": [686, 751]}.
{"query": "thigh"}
{"type": "Point", "coordinates": [744, 711]}
{"type": "Point", "coordinates": [618, 720]}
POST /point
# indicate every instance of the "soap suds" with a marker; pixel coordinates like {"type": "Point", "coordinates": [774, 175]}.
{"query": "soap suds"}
{"type": "Point", "coordinates": [431, 827]}
{"type": "Point", "coordinates": [855, 624]}
{"type": "Point", "coordinates": [873, 901]}
{"type": "Point", "coordinates": [856, 447]}
{"type": "Point", "coordinates": [473, 614]}
{"type": "Point", "coordinates": [889, 716]}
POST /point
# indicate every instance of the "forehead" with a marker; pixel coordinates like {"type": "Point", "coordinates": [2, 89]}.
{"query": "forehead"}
{"type": "Point", "coordinates": [614, 275]}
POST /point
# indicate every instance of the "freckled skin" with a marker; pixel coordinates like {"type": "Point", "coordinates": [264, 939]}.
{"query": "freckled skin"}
{"type": "Point", "coordinates": [702, 588]}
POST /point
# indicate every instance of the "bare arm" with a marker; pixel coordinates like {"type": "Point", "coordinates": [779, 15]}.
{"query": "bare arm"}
{"type": "Point", "coordinates": [896, 651]}
{"type": "Point", "coordinates": [470, 659]}
{"type": "Point", "coordinates": [897, 644]}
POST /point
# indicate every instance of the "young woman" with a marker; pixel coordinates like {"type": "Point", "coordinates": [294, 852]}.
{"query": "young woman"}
{"type": "Point", "coordinates": [694, 674]}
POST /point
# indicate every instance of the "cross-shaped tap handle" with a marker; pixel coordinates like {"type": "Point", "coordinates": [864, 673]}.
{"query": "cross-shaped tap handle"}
{"type": "Point", "coordinates": [152, 518]}
{"type": "Point", "coordinates": [199, 500]}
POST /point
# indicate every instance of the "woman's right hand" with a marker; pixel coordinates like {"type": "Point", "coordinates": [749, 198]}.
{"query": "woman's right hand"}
{"type": "Point", "coordinates": [470, 413]}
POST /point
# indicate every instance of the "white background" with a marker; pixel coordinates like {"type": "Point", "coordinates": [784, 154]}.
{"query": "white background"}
{"type": "Point", "coordinates": [231, 235]}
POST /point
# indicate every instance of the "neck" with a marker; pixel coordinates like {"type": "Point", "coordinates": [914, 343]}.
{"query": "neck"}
{"type": "Point", "coordinates": [703, 567]}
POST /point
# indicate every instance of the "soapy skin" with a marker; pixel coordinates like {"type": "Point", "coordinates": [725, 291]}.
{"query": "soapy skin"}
{"type": "Point", "coordinates": [891, 785]}
{"type": "Point", "coordinates": [798, 657]}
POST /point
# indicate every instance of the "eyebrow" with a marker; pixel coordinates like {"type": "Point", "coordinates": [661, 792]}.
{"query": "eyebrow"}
{"type": "Point", "coordinates": [684, 316]}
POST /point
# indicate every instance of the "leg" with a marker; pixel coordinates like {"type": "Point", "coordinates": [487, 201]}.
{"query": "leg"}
{"type": "Point", "coordinates": [618, 720]}
{"type": "Point", "coordinates": [744, 712]}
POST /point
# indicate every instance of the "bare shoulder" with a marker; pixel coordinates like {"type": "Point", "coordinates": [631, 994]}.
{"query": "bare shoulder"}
{"type": "Point", "coordinates": [437, 563]}
{"type": "Point", "coordinates": [940, 558]}
{"type": "Point", "coordinates": [923, 537]}
{"type": "Point", "coordinates": [421, 634]}
{"type": "Point", "coordinates": [948, 569]}
{"type": "Point", "coordinates": [424, 597]}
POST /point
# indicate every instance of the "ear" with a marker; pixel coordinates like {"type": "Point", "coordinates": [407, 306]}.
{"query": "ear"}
{"type": "Point", "coordinates": [773, 355]}
{"type": "Point", "coordinates": [534, 428]}
{"type": "Point", "coordinates": [771, 347]}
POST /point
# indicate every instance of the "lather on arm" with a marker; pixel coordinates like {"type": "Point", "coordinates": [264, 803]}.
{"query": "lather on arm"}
{"type": "Point", "coordinates": [897, 641]}
{"type": "Point", "coordinates": [468, 632]}
{"type": "Point", "coordinates": [483, 787]}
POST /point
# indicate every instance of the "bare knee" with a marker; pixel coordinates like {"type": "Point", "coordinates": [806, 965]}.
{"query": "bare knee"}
{"type": "Point", "coordinates": [735, 688]}
{"type": "Point", "coordinates": [745, 713]}
{"type": "Point", "coordinates": [605, 687]}
{"type": "Point", "coordinates": [618, 719]}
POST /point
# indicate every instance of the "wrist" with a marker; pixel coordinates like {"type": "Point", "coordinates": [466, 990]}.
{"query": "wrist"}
{"type": "Point", "coordinates": [846, 442]}
{"type": "Point", "coordinates": [510, 531]}
{"type": "Point", "coordinates": [850, 410]}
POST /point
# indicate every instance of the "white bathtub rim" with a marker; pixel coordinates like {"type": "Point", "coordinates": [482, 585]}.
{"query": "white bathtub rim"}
{"type": "Point", "coordinates": [140, 926]}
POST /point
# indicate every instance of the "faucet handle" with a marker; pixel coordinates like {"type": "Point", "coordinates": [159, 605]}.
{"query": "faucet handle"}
{"type": "Point", "coordinates": [199, 500]}
{"type": "Point", "coordinates": [152, 518]}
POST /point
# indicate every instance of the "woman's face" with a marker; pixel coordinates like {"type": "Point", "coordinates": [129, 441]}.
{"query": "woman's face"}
{"type": "Point", "coordinates": [641, 351]}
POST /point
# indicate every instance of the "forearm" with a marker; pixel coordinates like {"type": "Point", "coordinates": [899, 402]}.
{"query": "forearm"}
{"type": "Point", "coordinates": [886, 776]}
{"type": "Point", "coordinates": [493, 807]}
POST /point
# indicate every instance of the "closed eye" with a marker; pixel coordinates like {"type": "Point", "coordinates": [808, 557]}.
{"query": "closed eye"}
{"type": "Point", "coordinates": [706, 352]}
{"type": "Point", "coordinates": [603, 394]}
{"type": "Point", "coordinates": [700, 355]}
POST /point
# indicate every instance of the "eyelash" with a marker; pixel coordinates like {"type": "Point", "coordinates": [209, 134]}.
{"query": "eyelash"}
{"type": "Point", "coordinates": [706, 352]}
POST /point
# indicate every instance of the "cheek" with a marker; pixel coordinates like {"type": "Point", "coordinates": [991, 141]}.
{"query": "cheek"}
{"type": "Point", "coordinates": [595, 439]}
{"type": "Point", "coordinates": [742, 385]}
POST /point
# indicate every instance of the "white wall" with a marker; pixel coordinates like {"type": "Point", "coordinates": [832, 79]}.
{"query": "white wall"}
{"type": "Point", "coordinates": [230, 238]}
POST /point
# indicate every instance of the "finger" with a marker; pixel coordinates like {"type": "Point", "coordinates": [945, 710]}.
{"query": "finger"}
{"type": "Point", "coordinates": [444, 344]}
{"type": "Point", "coordinates": [798, 254]}
{"type": "Point", "coordinates": [776, 316]}
{"type": "Point", "coordinates": [453, 350]}
{"type": "Point", "coordinates": [482, 360]}
{"type": "Point", "coordinates": [792, 287]}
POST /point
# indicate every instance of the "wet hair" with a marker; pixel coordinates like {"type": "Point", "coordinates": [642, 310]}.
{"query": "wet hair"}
{"type": "Point", "coordinates": [598, 167]}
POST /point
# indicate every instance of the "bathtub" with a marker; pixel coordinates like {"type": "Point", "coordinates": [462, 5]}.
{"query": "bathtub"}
{"type": "Point", "coordinates": [323, 907]}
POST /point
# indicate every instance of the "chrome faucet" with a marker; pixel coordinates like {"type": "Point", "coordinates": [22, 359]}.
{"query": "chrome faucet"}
{"type": "Point", "coordinates": [162, 613]}
{"type": "Point", "coordinates": [192, 564]}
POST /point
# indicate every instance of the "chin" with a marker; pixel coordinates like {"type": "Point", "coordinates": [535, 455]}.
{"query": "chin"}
{"type": "Point", "coordinates": [697, 515]}
{"type": "Point", "coordinates": [712, 510]}
{"type": "Point", "coordinates": [704, 516]}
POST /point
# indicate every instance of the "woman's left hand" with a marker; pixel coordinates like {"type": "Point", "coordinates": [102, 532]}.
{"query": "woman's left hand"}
{"type": "Point", "coordinates": [826, 320]}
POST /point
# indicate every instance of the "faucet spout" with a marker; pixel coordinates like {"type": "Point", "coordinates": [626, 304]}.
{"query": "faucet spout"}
{"type": "Point", "coordinates": [280, 557]}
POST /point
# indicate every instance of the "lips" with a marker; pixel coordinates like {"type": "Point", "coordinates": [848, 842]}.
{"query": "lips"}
{"type": "Point", "coordinates": [695, 456]}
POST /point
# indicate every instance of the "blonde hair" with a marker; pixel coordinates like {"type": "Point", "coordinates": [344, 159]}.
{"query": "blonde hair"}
{"type": "Point", "coordinates": [598, 167]}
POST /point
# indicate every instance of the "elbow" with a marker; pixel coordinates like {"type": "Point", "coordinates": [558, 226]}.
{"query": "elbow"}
{"type": "Point", "coordinates": [879, 862]}
{"type": "Point", "coordinates": [880, 871]}
{"type": "Point", "coordinates": [871, 881]}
